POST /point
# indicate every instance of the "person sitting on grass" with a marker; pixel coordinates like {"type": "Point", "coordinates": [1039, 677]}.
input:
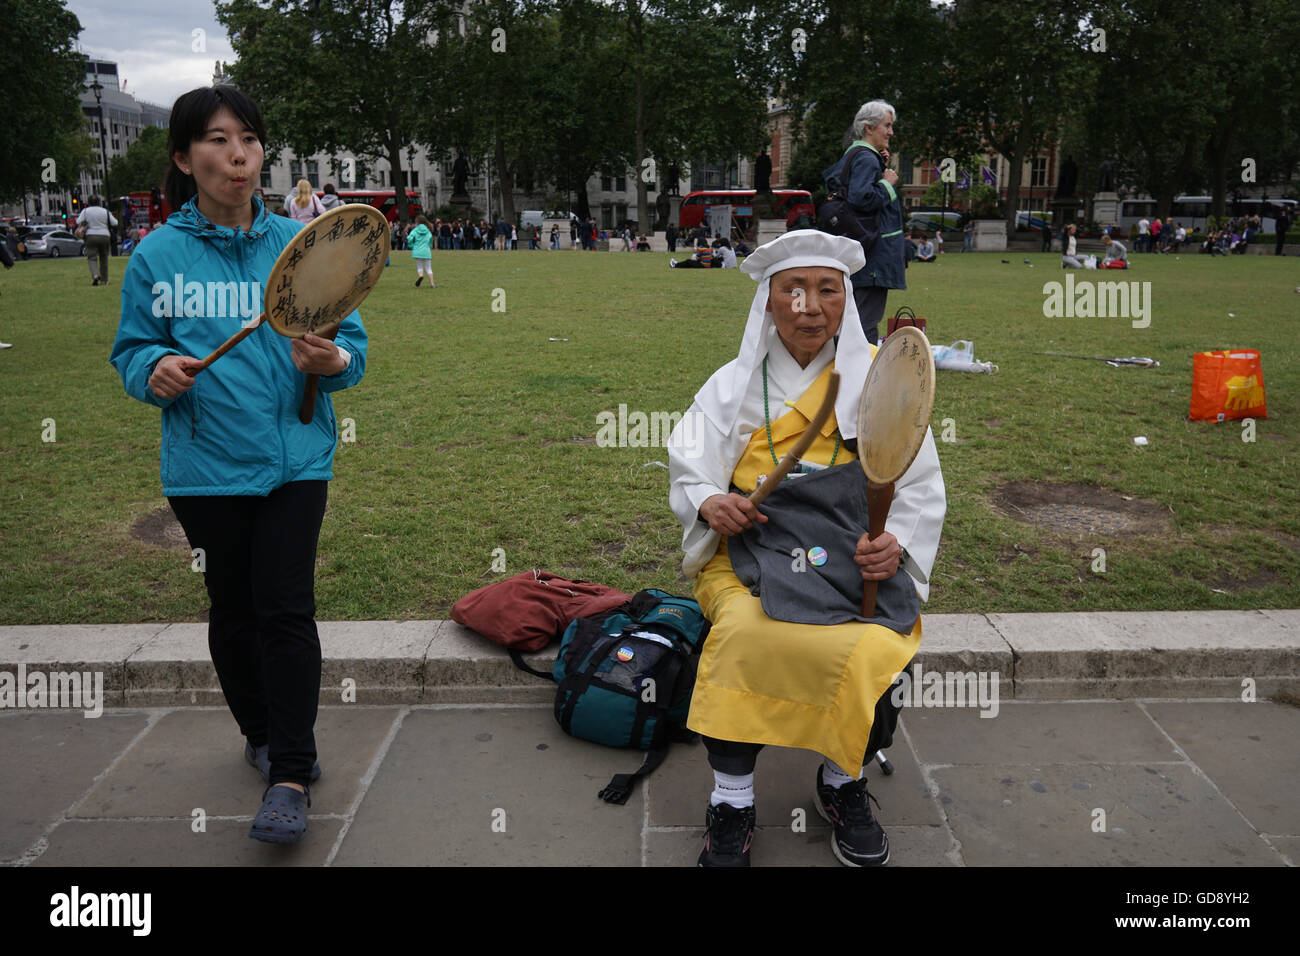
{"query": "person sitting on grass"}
{"type": "Point", "coordinates": [724, 255]}
{"type": "Point", "coordinates": [925, 250]}
{"type": "Point", "coordinates": [702, 258]}
{"type": "Point", "coordinates": [1069, 250]}
{"type": "Point", "coordinates": [1116, 254]}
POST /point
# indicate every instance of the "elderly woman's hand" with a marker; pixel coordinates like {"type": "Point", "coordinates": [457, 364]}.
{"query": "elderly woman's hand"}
{"type": "Point", "coordinates": [730, 514]}
{"type": "Point", "coordinates": [878, 559]}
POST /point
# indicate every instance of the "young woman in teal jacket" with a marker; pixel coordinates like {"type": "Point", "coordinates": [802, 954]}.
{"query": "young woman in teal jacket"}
{"type": "Point", "coordinates": [245, 479]}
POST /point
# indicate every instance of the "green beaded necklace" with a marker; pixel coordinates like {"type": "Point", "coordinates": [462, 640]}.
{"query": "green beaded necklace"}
{"type": "Point", "coordinates": [767, 420]}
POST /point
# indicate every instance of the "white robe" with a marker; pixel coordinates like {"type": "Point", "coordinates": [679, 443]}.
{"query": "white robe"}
{"type": "Point", "coordinates": [701, 459]}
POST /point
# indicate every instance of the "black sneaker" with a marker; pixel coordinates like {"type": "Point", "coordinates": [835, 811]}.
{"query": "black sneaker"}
{"type": "Point", "coordinates": [730, 832]}
{"type": "Point", "coordinates": [418, 281]}
{"type": "Point", "coordinates": [858, 839]}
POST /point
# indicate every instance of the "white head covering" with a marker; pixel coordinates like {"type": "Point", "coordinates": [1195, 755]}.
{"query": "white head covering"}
{"type": "Point", "coordinates": [721, 397]}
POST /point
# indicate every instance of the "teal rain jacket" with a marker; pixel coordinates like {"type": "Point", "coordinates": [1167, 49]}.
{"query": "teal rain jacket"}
{"type": "Point", "coordinates": [236, 432]}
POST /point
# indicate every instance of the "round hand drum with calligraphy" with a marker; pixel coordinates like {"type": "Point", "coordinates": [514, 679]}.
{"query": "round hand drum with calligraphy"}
{"type": "Point", "coordinates": [893, 415]}
{"type": "Point", "coordinates": [323, 275]}
{"type": "Point", "coordinates": [320, 277]}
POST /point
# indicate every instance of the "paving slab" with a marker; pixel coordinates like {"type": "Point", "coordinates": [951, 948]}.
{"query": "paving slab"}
{"type": "Point", "coordinates": [50, 760]}
{"type": "Point", "coordinates": [76, 647]}
{"type": "Point", "coordinates": [964, 642]}
{"type": "Point", "coordinates": [84, 843]}
{"type": "Point", "coordinates": [1287, 618]}
{"type": "Point", "coordinates": [173, 668]}
{"type": "Point", "coordinates": [1043, 815]}
{"type": "Point", "coordinates": [383, 659]}
{"type": "Point", "coordinates": [493, 787]}
{"type": "Point", "coordinates": [1023, 733]}
{"type": "Point", "coordinates": [194, 759]}
{"type": "Point", "coordinates": [784, 781]}
{"type": "Point", "coordinates": [1288, 846]}
{"type": "Point", "coordinates": [1132, 688]}
{"type": "Point", "coordinates": [73, 643]}
{"type": "Point", "coordinates": [1149, 647]}
{"type": "Point", "coordinates": [1250, 750]}
{"type": "Point", "coordinates": [461, 662]}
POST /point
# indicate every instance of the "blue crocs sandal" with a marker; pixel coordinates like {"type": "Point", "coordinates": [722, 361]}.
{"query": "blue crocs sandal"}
{"type": "Point", "coordinates": [283, 817]}
{"type": "Point", "coordinates": [260, 758]}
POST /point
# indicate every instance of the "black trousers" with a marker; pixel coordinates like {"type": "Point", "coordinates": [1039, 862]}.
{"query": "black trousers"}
{"type": "Point", "coordinates": [260, 557]}
{"type": "Point", "coordinates": [870, 300]}
{"type": "Point", "coordinates": [728, 756]}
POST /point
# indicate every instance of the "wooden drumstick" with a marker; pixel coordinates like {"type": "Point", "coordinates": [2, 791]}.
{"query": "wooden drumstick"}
{"type": "Point", "coordinates": [791, 458]}
{"type": "Point", "coordinates": [226, 346]}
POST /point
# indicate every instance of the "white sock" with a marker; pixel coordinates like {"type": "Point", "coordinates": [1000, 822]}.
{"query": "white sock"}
{"type": "Point", "coordinates": [737, 790]}
{"type": "Point", "coordinates": [833, 776]}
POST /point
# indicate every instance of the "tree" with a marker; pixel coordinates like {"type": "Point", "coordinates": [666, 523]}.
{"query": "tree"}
{"type": "Point", "coordinates": [1158, 92]}
{"type": "Point", "coordinates": [144, 164]}
{"type": "Point", "coordinates": [1019, 64]}
{"type": "Point", "coordinates": [334, 75]}
{"type": "Point", "coordinates": [47, 142]}
{"type": "Point", "coordinates": [825, 59]}
{"type": "Point", "coordinates": [712, 109]}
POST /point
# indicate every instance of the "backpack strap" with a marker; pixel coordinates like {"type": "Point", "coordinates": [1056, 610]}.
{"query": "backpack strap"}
{"type": "Point", "coordinates": [517, 656]}
{"type": "Point", "coordinates": [843, 190]}
{"type": "Point", "coordinates": [620, 788]}
{"type": "Point", "coordinates": [622, 784]}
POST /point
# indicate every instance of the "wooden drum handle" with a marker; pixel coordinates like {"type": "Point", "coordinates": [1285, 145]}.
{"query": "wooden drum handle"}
{"type": "Point", "coordinates": [879, 498]}
{"type": "Point", "coordinates": [308, 410]}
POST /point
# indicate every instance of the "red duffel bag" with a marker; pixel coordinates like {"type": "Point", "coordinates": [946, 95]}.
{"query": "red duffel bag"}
{"type": "Point", "coordinates": [528, 611]}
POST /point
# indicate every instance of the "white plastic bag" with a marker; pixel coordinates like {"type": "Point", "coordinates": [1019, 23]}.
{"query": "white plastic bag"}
{"type": "Point", "coordinates": [959, 357]}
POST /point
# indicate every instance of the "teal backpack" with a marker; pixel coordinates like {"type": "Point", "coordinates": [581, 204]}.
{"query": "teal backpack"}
{"type": "Point", "coordinates": [625, 678]}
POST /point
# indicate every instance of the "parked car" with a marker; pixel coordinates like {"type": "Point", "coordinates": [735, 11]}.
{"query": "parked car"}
{"type": "Point", "coordinates": [52, 241]}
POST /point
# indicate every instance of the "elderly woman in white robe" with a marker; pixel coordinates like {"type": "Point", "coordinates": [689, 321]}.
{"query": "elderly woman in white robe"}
{"type": "Point", "coordinates": [762, 680]}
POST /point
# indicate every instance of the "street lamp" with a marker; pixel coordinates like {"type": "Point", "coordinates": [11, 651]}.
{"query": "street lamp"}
{"type": "Point", "coordinates": [98, 89]}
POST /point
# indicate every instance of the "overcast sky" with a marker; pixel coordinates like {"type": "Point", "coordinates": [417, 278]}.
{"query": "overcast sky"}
{"type": "Point", "coordinates": [154, 44]}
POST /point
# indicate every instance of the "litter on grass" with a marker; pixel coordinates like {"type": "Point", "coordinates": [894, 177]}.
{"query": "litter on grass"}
{"type": "Point", "coordinates": [960, 357]}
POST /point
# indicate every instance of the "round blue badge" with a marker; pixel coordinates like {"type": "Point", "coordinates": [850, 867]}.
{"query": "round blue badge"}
{"type": "Point", "coordinates": [817, 556]}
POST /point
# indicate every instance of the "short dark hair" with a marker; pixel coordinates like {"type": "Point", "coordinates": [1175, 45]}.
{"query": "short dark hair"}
{"type": "Point", "coordinates": [329, 188]}
{"type": "Point", "coordinates": [189, 120]}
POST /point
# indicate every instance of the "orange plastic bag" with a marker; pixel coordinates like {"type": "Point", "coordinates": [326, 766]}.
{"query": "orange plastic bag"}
{"type": "Point", "coordinates": [1227, 385]}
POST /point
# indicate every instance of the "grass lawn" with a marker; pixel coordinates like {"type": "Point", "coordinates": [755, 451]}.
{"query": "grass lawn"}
{"type": "Point", "coordinates": [476, 431]}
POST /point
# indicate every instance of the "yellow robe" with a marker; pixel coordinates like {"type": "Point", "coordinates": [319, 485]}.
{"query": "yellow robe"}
{"type": "Point", "coordinates": [762, 681]}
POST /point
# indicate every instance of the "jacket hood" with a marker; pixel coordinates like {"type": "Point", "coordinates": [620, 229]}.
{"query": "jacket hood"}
{"type": "Point", "coordinates": [189, 219]}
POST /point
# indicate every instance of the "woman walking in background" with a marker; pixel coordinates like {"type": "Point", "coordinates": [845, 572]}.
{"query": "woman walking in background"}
{"type": "Point", "coordinates": [97, 220]}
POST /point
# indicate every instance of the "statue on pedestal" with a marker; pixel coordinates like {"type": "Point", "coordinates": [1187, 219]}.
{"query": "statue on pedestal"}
{"type": "Point", "coordinates": [459, 173]}
{"type": "Point", "coordinates": [1106, 175]}
{"type": "Point", "coordinates": [763, 173]}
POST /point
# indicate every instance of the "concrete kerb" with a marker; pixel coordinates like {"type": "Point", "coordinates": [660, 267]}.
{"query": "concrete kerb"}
{"type": "Point", "coordinates": [1068, 656]}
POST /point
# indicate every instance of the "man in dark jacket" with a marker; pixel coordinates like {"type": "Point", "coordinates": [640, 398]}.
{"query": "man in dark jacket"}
{"type": "Point", "coordinates": [871, 194]}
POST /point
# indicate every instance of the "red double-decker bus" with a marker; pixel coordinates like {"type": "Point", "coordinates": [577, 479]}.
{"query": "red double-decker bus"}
{"type": "Point", "coordinates": [795, 204]}
{"type": "Point", "coordinates": [385, 200]}
{"type": "Point", "coordinates": [153, 209]}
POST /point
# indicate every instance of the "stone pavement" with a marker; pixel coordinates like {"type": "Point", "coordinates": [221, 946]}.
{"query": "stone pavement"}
{"type": "Point", "coordinates": [450, 757]}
